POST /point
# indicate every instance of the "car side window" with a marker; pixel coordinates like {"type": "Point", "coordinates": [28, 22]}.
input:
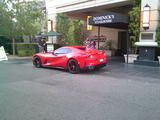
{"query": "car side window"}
{"type": "Point", "coordinates": [62, 51]}
{"type": "Point", "coordinates": [68, 50]}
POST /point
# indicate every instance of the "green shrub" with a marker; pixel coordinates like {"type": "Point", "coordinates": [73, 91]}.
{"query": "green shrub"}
{"type": "Point", "coordinates": [25, 49]}
{"type": "Point", "coordinates": [158, 35]}
{"type": "Point", "coordinates": [21, 53]}
{"type": "Point", "coordinates": [134, 24]}
{"type": "Point", "coordinates": [70, 28]}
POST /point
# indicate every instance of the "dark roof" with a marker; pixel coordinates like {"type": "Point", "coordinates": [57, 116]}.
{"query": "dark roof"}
{"type": "Point", "coordinates": [51, 33]}
{"type": "Point", "coordinates": [113, 20]}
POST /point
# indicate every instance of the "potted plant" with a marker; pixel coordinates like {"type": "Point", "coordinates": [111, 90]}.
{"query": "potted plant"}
{"type": "Point", "coordinates": [132, 56]}
{"type": "Point", "coordinates": [158, 41]}
{"type": "Point", "coordinates": [107, 47]}
{"type": "Point", "coordinates": [134, 25]}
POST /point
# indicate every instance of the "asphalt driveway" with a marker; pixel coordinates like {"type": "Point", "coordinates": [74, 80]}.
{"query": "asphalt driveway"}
{"type": "Point", "coordinates": [116, 92]}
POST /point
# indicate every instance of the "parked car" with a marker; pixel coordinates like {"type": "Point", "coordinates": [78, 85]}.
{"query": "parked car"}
{"type": "Point", "coordinates": [72, 58]}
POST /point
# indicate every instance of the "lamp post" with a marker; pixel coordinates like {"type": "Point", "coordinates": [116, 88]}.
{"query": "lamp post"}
{"type": "Point", "coordinates": [50, 25]}
{"type": "Point", "coordinates": [50, 29]}
{"type": "Point", "coordinates": [146, 16]}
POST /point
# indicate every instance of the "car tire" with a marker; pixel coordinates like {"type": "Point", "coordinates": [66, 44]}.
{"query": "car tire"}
{"type": "Point", "coordinates": [37, 62]}
{"type": "Point", "coordinates": [73, 66]}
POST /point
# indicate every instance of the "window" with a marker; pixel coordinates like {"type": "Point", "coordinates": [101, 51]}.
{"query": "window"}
{"type": "Point", "coordinates": [147, 36]}
{"type": "Point", "coordinates": [63, 51]}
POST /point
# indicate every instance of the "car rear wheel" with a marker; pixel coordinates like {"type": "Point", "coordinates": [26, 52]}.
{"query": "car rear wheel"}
{"type": "Point", "coordinates": [73, 66]}
{"type": "Point", "coordinates": [37, 62]}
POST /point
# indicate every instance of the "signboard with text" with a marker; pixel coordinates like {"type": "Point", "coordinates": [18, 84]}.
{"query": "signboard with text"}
{"type": "Point", "coordinates": [108, 18]}
{"type": "Point", "coordinates": [3, 55]}
{"type": "Point", "coordinates": [50, 47]}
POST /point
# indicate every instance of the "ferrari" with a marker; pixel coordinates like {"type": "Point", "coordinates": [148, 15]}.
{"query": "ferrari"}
{"type": "Point", "coordinates": [72, 58]}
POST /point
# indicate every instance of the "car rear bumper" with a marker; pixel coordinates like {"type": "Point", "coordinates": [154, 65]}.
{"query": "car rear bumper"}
{"type": "Point", "coordinates": [91, 67]}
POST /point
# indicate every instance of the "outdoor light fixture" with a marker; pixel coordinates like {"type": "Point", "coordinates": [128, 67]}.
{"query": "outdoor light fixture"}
{"type": "Point", "coordinates": [50, 25]}
{"type": "Point", "coordinates": [89, 27]}
{"type": "Point", "coordinates": [146, 16]}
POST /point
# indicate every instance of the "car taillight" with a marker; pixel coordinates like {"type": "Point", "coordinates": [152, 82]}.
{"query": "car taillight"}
{"type": "Point", "coordinates": [88, 51]}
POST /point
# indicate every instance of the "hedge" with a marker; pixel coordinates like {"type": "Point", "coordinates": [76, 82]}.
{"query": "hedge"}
{"type": "Point", "coordinates": [26, 49]}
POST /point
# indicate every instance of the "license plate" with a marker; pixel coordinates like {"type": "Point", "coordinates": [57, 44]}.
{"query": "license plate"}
{"type": "Point", "coordinates": [101, 60]}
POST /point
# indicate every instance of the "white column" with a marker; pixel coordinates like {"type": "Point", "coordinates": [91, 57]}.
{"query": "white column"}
{"type": "Point", "coordinates": [148, 36]}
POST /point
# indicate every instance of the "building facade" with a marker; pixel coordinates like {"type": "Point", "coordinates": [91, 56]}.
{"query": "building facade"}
{"type": "Point", "coordinates": [102, 9]}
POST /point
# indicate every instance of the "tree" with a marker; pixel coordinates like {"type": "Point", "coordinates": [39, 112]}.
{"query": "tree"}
{"type": "Point", "coordinates": [70, 28]}
{"type": "Point", "coordinates": [158, 40]}
{"type": "Point", "coordinates": [62, 26]}
{"type": "Point", "coordinates": [137, 3]}
{"type": "Point", "coordinates": [158, 35]}
{"type": "Point", "coordinates": [29, 17]}
{"type": "Point", "coordinates": [134, 22]}
{"type": "Point", "coordinates": [78, 32]}
{"type": "Point", "coordinates": [22, 18]}
{"type": "Point", "coordinates": [5, 18]}
{"type": "Point", "coordinates": [74, 33]}
{"type": "Point", "coordinates": [5, 25]}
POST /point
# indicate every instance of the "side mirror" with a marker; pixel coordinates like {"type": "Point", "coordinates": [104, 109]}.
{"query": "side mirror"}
{"type": "Point", "coordinates": [53, 53]}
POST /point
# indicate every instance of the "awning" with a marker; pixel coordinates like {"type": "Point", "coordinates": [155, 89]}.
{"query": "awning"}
{"type": "Point", "coordinates": [51, 33]}
{"type": "Point", "coordinates": [113, 20]}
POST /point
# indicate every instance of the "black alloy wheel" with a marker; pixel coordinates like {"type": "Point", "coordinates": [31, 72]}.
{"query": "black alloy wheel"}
{"type": "Point", "coordinates": [73, 66]}
{"type": "Point", "coordinates": [37, 62]}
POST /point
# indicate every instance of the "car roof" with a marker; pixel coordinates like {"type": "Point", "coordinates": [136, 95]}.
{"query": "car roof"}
{"type": "Point", "coordinates": [80, 46]}
{"type": "Point", "coordinates": [77, 48]}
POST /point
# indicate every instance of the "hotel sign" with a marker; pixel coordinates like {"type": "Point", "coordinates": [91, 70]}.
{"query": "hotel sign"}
{"type": "Point", "coordinates": [108, 18]}
{"type": "Point", "coordinates": [103, 19]}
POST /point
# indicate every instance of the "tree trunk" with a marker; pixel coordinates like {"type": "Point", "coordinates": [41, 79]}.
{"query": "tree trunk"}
{"type": "Point", "coordinates": [13, 46]}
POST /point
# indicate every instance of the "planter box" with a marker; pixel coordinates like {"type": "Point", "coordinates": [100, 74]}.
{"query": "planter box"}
{"type": "Point", "coordinates": [108, 52]}
{"type": "Point", "coordinates": [159, 59]}
{"type": "Point", "coordinates": [131, 58]}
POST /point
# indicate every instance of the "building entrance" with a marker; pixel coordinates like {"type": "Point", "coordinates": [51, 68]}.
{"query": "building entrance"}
{"type": "Point", "coordinates": [122, 44]}
{"type": "Point", "coordinates": [117, 21]}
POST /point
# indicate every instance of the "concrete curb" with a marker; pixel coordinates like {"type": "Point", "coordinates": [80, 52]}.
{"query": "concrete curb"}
{"type": "Point", "coordinates": [17, 57]}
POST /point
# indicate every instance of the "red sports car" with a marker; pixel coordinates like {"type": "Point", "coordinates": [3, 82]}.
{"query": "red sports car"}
{"type": "Point", "coordinates": [71, 58]}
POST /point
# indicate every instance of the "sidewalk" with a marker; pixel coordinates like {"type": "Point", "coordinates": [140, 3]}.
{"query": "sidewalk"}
{"type": "Point", "coordinates": [17, 57]}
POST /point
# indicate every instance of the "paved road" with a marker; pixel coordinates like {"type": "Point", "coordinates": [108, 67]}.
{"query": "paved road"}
{"type": "Point", "coordinates": [117, 92]}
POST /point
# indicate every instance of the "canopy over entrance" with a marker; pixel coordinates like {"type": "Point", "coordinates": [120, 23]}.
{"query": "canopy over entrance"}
{"type": "Point", "coordinates": [51, 33]}
{"type": "Point", "coordinates": [113, 20]}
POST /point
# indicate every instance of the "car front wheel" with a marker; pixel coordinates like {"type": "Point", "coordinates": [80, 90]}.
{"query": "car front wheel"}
{"type": "Point", "coordinates": [73, 66]}
{"type": "Point", "coordinates": [37, 62]}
